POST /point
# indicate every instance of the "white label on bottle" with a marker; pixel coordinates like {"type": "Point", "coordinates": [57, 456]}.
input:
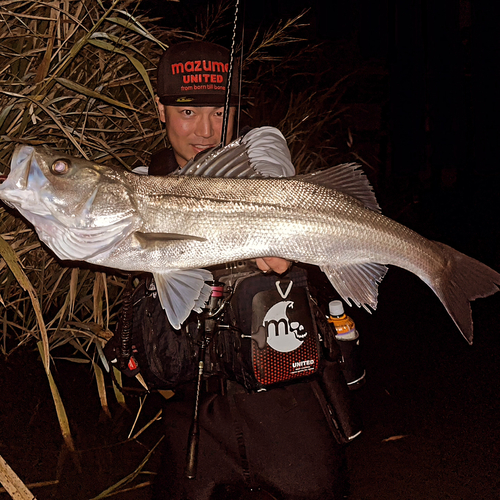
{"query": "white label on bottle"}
{"type": "Point", "coordinates": [349, 335]}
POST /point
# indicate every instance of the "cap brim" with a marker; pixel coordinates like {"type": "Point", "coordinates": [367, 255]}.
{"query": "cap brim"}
{"type": "Point", "coordinates": [197, 100]}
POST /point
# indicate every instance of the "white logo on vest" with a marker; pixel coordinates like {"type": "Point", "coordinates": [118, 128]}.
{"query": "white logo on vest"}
{"type": "Point", "coordinates": [282, 334]}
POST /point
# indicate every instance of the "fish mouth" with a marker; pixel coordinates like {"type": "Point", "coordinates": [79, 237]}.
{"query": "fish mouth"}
{"type": "Point", "coordinates": [23, 160]}
{"type": "Point", "coordinates": [25, 181]}
{"type": "Point", "coordinates": [13, 185]}
{"type": "Point", "coordinates": [20, 167]}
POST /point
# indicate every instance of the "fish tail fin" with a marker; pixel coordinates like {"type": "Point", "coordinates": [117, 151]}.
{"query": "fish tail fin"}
{"type": "Point", "coordinates": [464, 279]}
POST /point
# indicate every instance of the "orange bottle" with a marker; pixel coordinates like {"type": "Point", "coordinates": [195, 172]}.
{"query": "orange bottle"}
{"type": "Point", "coordinates": [348, 340]}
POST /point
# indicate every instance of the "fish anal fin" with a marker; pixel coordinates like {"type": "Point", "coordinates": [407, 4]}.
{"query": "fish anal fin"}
{"type": "Point", "coordinates": [357, 282]}
{"type": "Point", "coordinates": [181, 291]}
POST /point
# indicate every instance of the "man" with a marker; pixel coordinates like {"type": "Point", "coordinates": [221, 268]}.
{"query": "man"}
{"type": "Point", "coordinates": [193, 116]}
{"type": "Point", "coordinates": [259, 437]}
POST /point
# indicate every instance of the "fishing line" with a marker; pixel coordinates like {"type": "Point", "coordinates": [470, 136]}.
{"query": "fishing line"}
{"type": "Point", "coordinates": [240, 70]}
{"type": "Point", "coordinates": [229, 77]}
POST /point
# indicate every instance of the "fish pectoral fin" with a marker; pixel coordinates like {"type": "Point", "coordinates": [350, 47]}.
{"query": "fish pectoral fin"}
{"type": "Point", "coordinates": [182, 291]}
{"type": "Point", "coordinates": [358, 282]}
{"type": "Point", "coordinates": [147, 240]}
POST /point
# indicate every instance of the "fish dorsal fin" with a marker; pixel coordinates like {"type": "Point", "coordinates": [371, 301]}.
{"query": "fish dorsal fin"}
{"type": "Point", "coordinates": [231, 161]}
{"type": "Point", "coordinates": [149, 240]}
{"type": "Point", "coordinates": [262, 152]}
{"type": "Point", "coordinates": [358, 282]}
{"type": "Point", "coordinates": [347, 178]}
{"type": "Point", "coordinates": [181, 291]}
{"type": "Point", "coordinates": [268, 152]}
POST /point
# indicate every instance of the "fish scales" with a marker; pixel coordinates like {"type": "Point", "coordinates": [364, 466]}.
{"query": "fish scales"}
{"type": "Point", "coordinates": [270, 213]}
{"type": "Point", "coordinates": [177, 225]}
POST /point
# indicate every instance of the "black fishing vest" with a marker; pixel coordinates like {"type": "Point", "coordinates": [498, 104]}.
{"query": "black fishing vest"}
{"type": "Point", "coordinates": [268, 333]}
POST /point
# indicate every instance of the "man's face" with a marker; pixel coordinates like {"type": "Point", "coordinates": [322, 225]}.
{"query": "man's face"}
{"type": "Point", "coordinates": [194, 129]}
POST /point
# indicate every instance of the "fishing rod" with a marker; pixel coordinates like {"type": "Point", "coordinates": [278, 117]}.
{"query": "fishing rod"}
{"type": "Point", "coordinates": [208, 321]}
{"type": "Point", "coordinates": [225, 122]}
{"type": "Point", "coordinates": [208, 324]}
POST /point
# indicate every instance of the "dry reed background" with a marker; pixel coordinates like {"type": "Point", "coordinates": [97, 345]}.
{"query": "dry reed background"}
{"type": "Point", "coordinates": [79, 77]}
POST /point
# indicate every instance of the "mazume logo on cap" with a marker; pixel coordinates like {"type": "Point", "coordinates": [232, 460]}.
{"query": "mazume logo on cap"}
{"type": "Point", "coordinates": [196, 73]}
{"type": "Point", "coordinates": [200, 71]}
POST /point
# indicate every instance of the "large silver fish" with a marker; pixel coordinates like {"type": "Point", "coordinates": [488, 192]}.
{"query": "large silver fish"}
{"type": "Point", "coordinates": [174, 226]}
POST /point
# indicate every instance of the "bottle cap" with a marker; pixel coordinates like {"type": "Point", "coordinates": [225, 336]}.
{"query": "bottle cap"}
{"type": "Point", "coordinates": [336, 308]}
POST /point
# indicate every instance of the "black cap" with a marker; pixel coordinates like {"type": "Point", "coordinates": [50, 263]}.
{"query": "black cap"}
{"type": "Point", "coordinates": [195, 74]}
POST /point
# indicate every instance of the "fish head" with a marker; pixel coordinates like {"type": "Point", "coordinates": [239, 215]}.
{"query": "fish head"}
{"type": "Point", "coordinates": [78, 208]}
{"type": "Point", "coordinates": [42, 183]}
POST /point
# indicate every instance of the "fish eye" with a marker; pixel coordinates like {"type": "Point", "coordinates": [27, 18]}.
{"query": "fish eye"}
{"type": "Point", "coordinates": [60, 167]}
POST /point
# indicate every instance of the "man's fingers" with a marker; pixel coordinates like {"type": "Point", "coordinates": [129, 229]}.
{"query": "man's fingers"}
{"type": "Point", "coordinates": [276, 264]}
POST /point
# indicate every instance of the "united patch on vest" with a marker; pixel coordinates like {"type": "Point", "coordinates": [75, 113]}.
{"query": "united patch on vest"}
{"type": "Point", "coordinates": [284, 338]}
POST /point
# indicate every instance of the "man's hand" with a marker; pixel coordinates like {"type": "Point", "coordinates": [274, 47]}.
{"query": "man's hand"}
{"type": "Point", "coordinates": [268, 264]}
